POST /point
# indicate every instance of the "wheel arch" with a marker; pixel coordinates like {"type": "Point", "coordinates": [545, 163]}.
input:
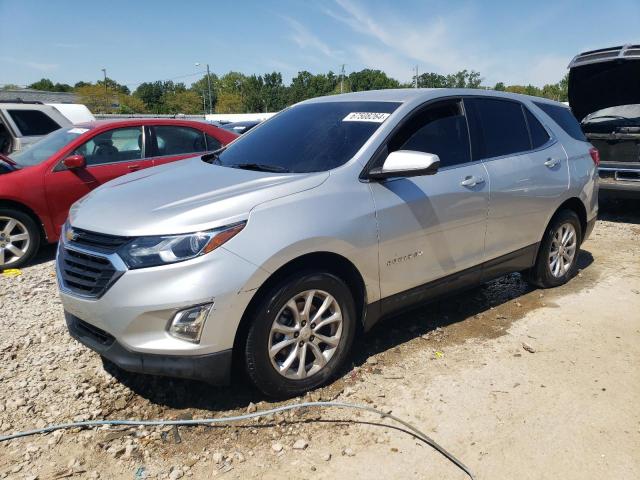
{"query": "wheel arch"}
{"type": "Point", "coordinates": [330, 262]}
{"type": "Point", "coordinates": [576, 205]}
{"type": "Point", "coordinates": [5, 203]}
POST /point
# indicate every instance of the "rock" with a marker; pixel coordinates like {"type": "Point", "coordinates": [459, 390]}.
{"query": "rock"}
{"type": "Point", "coordinates": [528, 347]}
{"type": "Point", "coordinates": [300, 444]}
{"type": "Point", "coordinates": [347, 452]}
{"type": "Point", "coordinates": [277, 447]}
{"type": "Point", "coordinates": [372, 361]}
{"type": "Point", "coordinates": [175, 474]}
{"type": "Point", "coordinates": [252, 408]}
{"type": "Point", "coordinates": [326, 457]}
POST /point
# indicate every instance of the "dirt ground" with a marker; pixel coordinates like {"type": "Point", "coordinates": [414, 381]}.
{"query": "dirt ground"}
{"type": "Point", "coordinates": [517, 383]}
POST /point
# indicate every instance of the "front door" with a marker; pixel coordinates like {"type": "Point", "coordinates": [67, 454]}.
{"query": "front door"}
{"type": "Point", "coordinates": [109, 155]}
{"type": "Point", "coordinates": [432, 226]}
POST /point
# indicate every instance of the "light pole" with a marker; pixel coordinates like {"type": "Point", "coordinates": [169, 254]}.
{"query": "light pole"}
{"type": "Point", "coordinates": [106, 95]}
{"type": "Point", "coordinates": [208, 87]}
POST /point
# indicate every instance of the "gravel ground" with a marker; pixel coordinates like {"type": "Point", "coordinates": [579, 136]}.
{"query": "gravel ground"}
{"type": "Point", "coordinates": [463, 369]}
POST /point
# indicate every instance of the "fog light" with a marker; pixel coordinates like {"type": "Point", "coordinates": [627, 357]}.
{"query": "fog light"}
{"type": "Point", "coordinates": [187, 324]}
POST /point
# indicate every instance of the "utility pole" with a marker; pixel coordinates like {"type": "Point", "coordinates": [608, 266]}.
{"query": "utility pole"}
{"type": "Point", "coordinates": [106, 95]}
{"type": "Point", "coordinates": [342, 79]}
{"type": "Point", "coordinates": [416, 82]}
{"type": "Point", "coordinates": [208, 87]}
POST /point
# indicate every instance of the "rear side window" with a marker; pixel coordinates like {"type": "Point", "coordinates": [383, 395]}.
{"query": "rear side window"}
{"type": "Point", "coordinates": [498, 127]}
{"type": "Point", "coordinates": [563, 117]}
{"type": "Point", "coordinates": [33, 122]}
{"type": "Point", "coordinates": [441, 129]}
{"type": "Point", "coordinates": [539, 135]}
{"type": "Point", "coordinates": [213, 143]}
{"type": "Point", "coordinates": [178, 140]}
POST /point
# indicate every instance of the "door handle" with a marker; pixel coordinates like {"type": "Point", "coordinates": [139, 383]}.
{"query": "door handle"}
{"type": "Point", "coordinates": [472, 181]}
{"type": "Point", "coordinates": [552, 162]}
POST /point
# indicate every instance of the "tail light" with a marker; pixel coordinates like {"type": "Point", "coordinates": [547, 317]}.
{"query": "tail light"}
{"type": "Point", "coordinates": [595, 156]}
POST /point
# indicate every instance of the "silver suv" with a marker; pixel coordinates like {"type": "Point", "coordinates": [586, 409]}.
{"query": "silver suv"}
{"type": "Point", "coordinates": [272, 254]}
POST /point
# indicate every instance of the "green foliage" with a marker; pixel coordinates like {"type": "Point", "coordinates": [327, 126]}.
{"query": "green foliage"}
{"type": "Point", "coordinates": [48, 86]}
{"type": "Point", "coordinates": [235, 92]}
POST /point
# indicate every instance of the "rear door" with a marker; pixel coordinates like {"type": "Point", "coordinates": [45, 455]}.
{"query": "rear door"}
{"type": "Point", "coordinates": [176, 142]}
{"type": "Point", "coordinates": [528, 170]}
{"type": "Point", "coordinates": [109, 154]}
{"type": "Point", "coordinates": [432, 226]}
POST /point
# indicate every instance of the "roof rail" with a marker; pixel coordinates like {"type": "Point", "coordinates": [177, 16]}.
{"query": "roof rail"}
{"type": "Point", "coordinates": [624, 52]}
{"type": "Point", "coordinates": [19, 100]}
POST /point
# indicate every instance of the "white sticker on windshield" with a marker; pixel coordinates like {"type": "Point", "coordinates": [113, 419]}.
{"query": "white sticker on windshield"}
{"type": "Point", "coordinates": [79, 131]}
{"type": "Point", "coordinates": [375, 117]}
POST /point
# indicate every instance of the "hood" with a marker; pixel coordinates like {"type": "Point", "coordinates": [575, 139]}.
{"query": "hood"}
{"type": "Point", "coordinates": [182, 197]}
{"type": "Point", "coordinates": [604, 78]}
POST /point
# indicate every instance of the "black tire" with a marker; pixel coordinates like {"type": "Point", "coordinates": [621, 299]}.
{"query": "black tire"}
{"type": "Point", "coordinates": [257, 360]}
{"type": "Point", "coordinates": [540, 274]}
{"type": "Point", "coordinates": [34, 237]}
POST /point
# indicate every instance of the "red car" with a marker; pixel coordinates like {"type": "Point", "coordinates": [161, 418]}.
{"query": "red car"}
{"type": "Point", "coordinates": [39, 184]}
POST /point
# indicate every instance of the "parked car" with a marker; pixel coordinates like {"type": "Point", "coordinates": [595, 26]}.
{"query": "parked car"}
{"type": "Point", "coordinates": [39, 184]}
{"type": "Point", "coordinates": [241, 127]}
{"type": "Point", "coordinates": [24, 123]}
{"type": "Point", "coordinates": [604, 93]}
{"type": "Point", "coordinates": [276, 251]}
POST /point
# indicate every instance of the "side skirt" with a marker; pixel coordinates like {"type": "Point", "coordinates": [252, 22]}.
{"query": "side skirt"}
{"type": "Point", "coordinates": [519, 260]}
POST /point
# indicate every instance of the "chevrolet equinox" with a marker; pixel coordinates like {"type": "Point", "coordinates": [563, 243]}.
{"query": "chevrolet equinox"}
{"type": "Point", "coordinates": [274, 251]}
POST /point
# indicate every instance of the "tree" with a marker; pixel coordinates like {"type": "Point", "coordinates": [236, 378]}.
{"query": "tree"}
{"type": "Point", "coordinates": [201, 87]}
{"type": "Point", "coordinates": [432, 80]}
{"type": "Point", "coordinates": [368, 79]}
{"type": "Point", "coordinates": [499, 87]}
{"type": "Point", "coordinates": [94, 97]}
{"type": "Point", "coordinates": [10, 86]}
{"type": "Point", "coordinates": [42, 84]}
{"type": "Point", "coordinates": [114, 86]}
{"type": "Point", "coordinates": [229, 102]}
{"type": "Point", "coordinates": [81, 84]}
{"type": "Point", "coordinates": [130, 104]}
{"type": "Point", "coordinates": [183, 101]}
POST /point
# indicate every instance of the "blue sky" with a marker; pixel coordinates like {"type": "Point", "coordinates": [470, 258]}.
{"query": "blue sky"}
{"type": "Point", "coordinates": [509, 41]}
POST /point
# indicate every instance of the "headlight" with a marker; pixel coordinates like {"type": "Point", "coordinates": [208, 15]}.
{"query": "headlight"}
{"type": "Point", "coordinates": [152, 251]}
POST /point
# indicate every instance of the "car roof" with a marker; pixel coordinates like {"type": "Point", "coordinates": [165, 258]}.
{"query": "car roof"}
{"type": "Point", "coordinates": [419, 95]}
{"type": "Point", "coordinates": [141, 121]}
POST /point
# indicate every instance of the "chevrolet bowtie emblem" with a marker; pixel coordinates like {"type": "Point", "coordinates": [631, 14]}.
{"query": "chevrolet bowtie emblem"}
{"type": "Point", "coordinates": [71, 235]}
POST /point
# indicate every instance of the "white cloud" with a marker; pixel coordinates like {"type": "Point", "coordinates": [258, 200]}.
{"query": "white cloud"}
{"type": "Point", "coordinates": [44, 67]}
{"type": "Point", "coordinates": [305, 39]}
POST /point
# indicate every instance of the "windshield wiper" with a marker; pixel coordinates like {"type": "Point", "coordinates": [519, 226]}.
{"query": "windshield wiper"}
{"type": "Point", "coordinates": [260, 167]}
{"type": "Point", "coordinates": [213, 157]}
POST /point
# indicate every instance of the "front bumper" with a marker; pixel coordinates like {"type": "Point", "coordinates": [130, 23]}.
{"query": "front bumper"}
{"type": "Point", "coordinates": [213, 368]}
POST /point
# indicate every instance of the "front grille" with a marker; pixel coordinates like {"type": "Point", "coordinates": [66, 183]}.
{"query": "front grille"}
{"type": "Point", "coordinates": [85, 274]}
{"type": "Point", "coordinates": [98, 241]}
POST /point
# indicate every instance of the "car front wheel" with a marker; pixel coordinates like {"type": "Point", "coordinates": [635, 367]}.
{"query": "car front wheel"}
{"type": "Point", "coordinates": [19, 238]}
{"type": "Point", "coordinates": [301, 334]}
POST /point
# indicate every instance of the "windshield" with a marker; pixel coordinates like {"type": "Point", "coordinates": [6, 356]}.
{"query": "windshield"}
{"type": "Point", "coordinates": [629, 114]}
{"type": "Point", "coordinates": [306, 138]}
{"type": "Point", "coordinates": [44, 148]}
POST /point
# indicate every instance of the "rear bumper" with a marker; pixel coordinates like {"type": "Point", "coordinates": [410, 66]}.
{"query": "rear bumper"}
{"type": "Point", "coordinates": [213, 368]}
{"type": "Point", "coordinates": [619, 181]}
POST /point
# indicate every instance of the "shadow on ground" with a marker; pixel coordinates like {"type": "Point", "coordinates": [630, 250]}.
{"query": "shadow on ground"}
{"type": "Point", "coordinates": [470, 314]}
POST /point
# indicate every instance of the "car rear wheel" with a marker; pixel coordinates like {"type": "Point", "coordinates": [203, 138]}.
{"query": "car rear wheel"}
{"type": "Point", "coordinates": [301, 334]}
{"type": "Point", "coordinates": [557, 258]}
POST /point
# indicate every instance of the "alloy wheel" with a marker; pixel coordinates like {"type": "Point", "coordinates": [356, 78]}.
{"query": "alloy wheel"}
{"type": "Point", "coordinates": [305, 334]}
{"type": "Point", "coordinates": [14, 240]}
{"type": "Point", "coordinates": [563, 250]}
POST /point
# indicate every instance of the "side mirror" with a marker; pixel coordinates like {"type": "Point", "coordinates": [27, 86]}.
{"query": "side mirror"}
{"type": "Point", "coordinates": [406, 163]}
{"type": "Point", "coordinates": [74, 161]}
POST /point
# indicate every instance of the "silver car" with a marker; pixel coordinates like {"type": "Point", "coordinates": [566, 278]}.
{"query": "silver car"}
{"type": "Point", "coordinates": [274, 254]}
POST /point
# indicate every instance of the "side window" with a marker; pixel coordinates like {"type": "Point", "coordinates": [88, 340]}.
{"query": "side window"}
{"type": "Point", "coordinates": [497, 127]}
{"type": "Point", "coordinates": [539, 135]}
{"type": "Point", "coordinates": [118, 145]}
{"type": "Point", "coordinates": [177, 140]}
{"type": "Point", "coordinates": [440, 129]}
{"type": "Point", "coordinates": [563, 117]}
{"type": "Point", "coordinates": [213, 143]}
{"type": "Point", "coordinates": [33, 122]}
